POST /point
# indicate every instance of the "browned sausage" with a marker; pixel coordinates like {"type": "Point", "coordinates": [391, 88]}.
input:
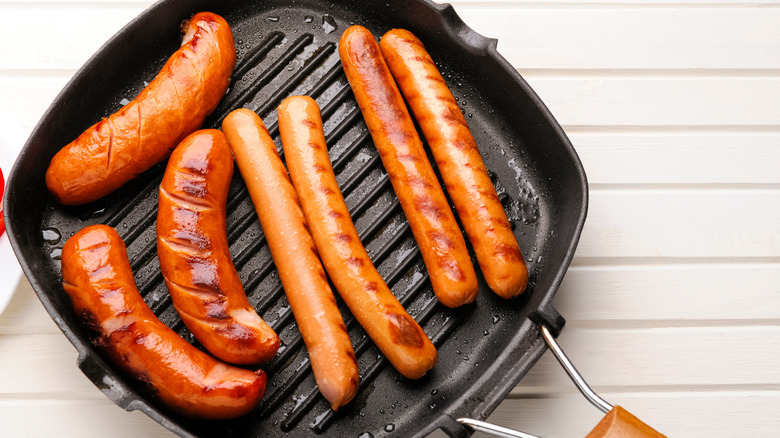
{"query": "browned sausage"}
{"type": "Point", "coordinates": [422, 199]}
{"type": "Point", "coordinates": [459, 162]}
{"type": "Point", "coordinates": [145, 131]}
{"type": "Point", "coordinates": [383, 317]}
{"type": "Point", "coordinates": [194, 257]}
{"type": "Point", "coordinates": [98, 279]}
{"type": "Point", "coordinates": [300, 271]}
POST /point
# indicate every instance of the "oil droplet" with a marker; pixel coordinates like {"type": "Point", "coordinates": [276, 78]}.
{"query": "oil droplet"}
{"type": "Point", "coordinates": [381, 411]}
{"type": "Point", "coordinates": [496, 318]}
{"type": "Point", "coordinates": [56, 254]}
{"type": "Point", "coordinates": [389, 427]}
{"type": "Point", "coordinates": [432, 405]}
{"type": "Point", "coordinates": [465, 358]}
{"type": "Point", "coordinates": [485, 333]}
{"type": "Point", "coordinates": [434, 392]}
{"type": "Point", "coordinates": [309, 19]}
{"type": "Point", "coordinates": [51, 236]}
{"type": "Point", "coordinates": [366, 435]}
{"type": "Point", "coordinates": [328, 23]}
{"type": "Point", "coordinates": [124, 101]}
{"type": "Point", "coordinates": [273, 18]}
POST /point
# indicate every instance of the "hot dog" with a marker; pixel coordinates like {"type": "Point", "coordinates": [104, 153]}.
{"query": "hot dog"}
{"type": "Point", "coordinates": [143, 132]}
{"type": "Point", "coordinates": [295, 256]}
{"type": "Point", "coordinates": [194, 257]}
{"type": "Point", "coordinates": [375, 307]}
{"type": "Point", "coordinates": [97, 277]}
{"type": "Point", "coordinates": [434, 227]}
{"type": "Point", "coordinates": [459, 161]}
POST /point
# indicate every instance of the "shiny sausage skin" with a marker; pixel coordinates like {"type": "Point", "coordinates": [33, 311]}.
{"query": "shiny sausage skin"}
{"type": "Point", "coordinates": [98, 279]}
{"type": "Point", "coordinates": [422, 199]}
{"type": "Point", "coordinates": [380, 313]}
{"type": "Point", "coordinates": [459, 161]}
{"type": "Point", "coordinates": [194, 257]}
{"type": "Point", "coordinates": [145, 131]}
{"type": "Point", "coordinates": [295, 256]}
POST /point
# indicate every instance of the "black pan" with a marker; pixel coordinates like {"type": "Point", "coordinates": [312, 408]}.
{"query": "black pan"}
{"type": "Point", "coordinates": [289, 48]}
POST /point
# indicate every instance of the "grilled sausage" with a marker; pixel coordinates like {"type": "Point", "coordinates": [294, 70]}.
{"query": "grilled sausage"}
{"type": "Point", "coordinates": [98, 279]}
{"type": "Point", "coordinates": [295, 256]}
{"type": "Point", "coordinates": [143, 132]}
{"type": "Point", "coordinates": [194, 257]}
{"type": "Point", "coordinates": [459, 162]}
{"type": "Point", "coordinates": [383, 317]}
{"type": "Point", "coordinates": [422, 199]}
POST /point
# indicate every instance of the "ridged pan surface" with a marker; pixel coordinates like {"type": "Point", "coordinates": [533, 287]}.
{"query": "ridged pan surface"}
{"type": "Point", "coordinates": [287, 48]}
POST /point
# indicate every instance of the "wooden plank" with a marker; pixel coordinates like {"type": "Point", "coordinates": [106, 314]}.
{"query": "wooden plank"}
{"type": "Point", "coordinates": [585, 38]}
{"type": "Point", "coordinates": [44, 366]}
{"type": "Point", "coordinates": [651, 157]}
{"type": "Point", "coordinates": [676, 414]}
{"type": "Point", "coordinates": [696, 100]}
{"type": "Point", "coordinates": [676, 294]}
{"type": "Point", "coordinates": [662, 359]}
{"type": "Point", "coordinates": [76, 418]}
{"type": "Point", "coordinates": [663, 224]}
{"type": "Point", "coordinates": [25, 314]}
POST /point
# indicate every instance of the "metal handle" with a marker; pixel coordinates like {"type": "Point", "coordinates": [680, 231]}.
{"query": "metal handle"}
{"type": "Point", "coordinates": [492, 429]}
{"type": "Point", "coordinates": [576, 377]}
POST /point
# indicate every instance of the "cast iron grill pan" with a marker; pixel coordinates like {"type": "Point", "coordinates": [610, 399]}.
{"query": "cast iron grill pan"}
{"type": "Point", "coordinates": [287, 49]}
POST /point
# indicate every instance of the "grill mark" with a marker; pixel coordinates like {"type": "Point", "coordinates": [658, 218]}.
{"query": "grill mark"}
{"type": "Point", "coordinates": [508, 251]}
{"type": "Point", "coordinates": [309, 123]}
{"type": "Point", "coordinates": [327, 190]}
{"type": "Point", "coordinates": [313, 145]}
{"type": "Point", "coordinates": [447, 99]}
{"type": "Point", "coordinates": [501, 223]}
{"type": "Point", "coordinates": [408, 157]}
{"type": "Point", "coordinates": [423, 60]}
{"type": "Point", "coordinates": [403, 331]}
{"type": "Point", "coordinates": [372, 286]}
{"type": "Point", "coordinates": [342, 237]}
{"type": "Point", "coordinates": [428, 207]}
{"type": "Point", "coordinates": [489, 194]}
{"type": "Point", "coordinates": [319, 168]}
{"type": "Point", "coordinates": [435, 78]}
{"type": "Point", "coordinates": [335, 214]}
{"type": "Point", "coordinates": [355, 262]}
{"type": "Point", "coordinates": [453, 270]}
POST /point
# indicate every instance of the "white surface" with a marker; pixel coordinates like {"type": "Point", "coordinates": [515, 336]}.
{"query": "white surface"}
{"type": "Point", "coordinates": [673, 299]}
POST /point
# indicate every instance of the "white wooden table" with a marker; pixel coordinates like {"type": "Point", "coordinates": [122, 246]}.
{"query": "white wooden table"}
{"type": "Point", "coordinates": [673, 299]}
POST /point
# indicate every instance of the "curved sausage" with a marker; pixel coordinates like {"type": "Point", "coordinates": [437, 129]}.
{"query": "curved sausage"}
{"type": "Point", "coordinates": [98, 279]}
{"type": "Point", "coordinates": [145, 131]}
{"type": "Point", "coordinates": [194, 257]}
{"type": "Point", "coordinates": [459, 161]}
{"type": "Point", "coordinates": [422, 199]}
{"type": "Point", "coordinates": [300, 271]}
{"type": "Point", "coordinates": [375, 307]}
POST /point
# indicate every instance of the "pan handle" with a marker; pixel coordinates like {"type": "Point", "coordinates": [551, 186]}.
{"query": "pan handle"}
{"type": "Point", "coordinates": [617, 423]}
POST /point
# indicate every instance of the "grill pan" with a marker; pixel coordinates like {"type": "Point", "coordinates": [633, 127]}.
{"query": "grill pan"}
{"type": "Point", "coordinates": [288, 48]}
